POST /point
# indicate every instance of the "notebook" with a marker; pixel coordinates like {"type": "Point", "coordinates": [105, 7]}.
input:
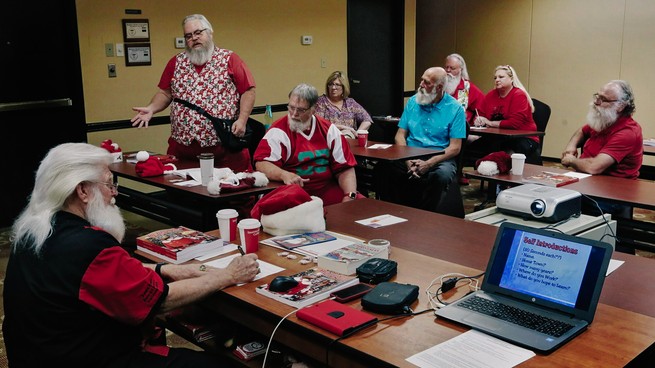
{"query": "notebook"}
{"type": "Point", "coordinates": [555, 276]}
{"type": "Point", "coordinates": [340, 319]}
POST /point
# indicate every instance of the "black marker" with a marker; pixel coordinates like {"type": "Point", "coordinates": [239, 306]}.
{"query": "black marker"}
{"type": "Point", "coordinates": [241, 250]}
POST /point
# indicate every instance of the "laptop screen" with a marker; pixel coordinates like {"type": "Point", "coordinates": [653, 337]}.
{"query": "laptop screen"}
{"type": "Point", "coordinates": [548, 268]}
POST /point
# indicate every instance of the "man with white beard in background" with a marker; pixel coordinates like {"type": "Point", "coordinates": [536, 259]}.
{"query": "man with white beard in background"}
{"type": "Point", "coordinates": [305, 149]}
{"type": "Point", "coordinates": [73, 296]}
{"type": "Point", "coordinates": [212, 78]}
{"type": "Point", "coordinates": [465, 92]}
{"type": "Point", "coordinates": [611, 143]}
{"type": "Point", "coordinates": [432, 119]}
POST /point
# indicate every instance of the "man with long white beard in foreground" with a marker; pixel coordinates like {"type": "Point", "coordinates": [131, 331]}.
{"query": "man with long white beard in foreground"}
{"type": "Point", "coordinates": [611, 141]}
{"type": "Point", "coordinates": [215, 80]}
{"type": "Point", "coordinates": [431, 119]}
{"type": "Point", "coordinates": [305, 149]}
{"type": "Point", "coordinates": [73, 296]}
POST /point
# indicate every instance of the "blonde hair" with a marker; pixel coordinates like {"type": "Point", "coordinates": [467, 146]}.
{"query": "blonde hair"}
{"type": "Point", "coordinates": [344, 82]}
{"type": "Point", "coordinates": [515, 81]}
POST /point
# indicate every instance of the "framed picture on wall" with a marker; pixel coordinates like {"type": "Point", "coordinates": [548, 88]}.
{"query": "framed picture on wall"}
{"type": "Point", "coordinates": [136, 30]}
{"type": "Point", "coordinates": [137, 54]}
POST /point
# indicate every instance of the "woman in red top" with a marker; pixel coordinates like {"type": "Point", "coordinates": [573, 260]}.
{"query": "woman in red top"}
{"type": "Point", "coordinates": [507, 106]}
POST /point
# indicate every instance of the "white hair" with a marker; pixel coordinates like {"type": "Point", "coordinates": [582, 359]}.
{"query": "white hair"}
{"type": "Point", "coordinates": [462, 64]}
{"type": "Point", "coordinates": [62, 169]}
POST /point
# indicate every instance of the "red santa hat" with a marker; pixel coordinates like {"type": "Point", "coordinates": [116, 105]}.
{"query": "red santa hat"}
{"type": "Point", "coordinates": [151, 166]}
{"type": "Point", "coordinates": [226, 181]}
{"type": "Point", "coordinates": [289, 210]}
{"type": "Point", "coordinates": [110, 146]}
{"type": "Point", "coordinates": [494, 163]}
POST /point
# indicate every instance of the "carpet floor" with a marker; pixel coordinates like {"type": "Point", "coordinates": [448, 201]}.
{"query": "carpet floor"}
{"type": "Point", "coordinates": [138, 225]}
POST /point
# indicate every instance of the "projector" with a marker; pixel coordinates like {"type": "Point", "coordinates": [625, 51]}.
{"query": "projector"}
{"type": "Point", "coordinates": [534, 201]}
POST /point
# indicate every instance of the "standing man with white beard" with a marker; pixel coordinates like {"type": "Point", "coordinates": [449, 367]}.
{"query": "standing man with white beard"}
{"type": "Point", "coordinates": [73, 296]}
{"type": "Point", "coordinates": [305, 149]}
{"type": "Point", "coordinates": [611, 141]}
{"type": "Point", "coordinates": [465, 92]}
{"type": "Point", "coordinates": [432, 119]}
{"type": "Point", "coordinates": [212, 78]}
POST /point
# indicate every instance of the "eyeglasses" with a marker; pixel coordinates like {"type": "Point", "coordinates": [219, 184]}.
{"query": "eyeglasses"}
{"type": "Point", "coordinates": [111, 186]}
{"type": "Point", "coordinates": [300, 110]}
{"type": "Point", "coordinates": [600, 99]}
{"type": "Point", "coordinates": [196, 33]}
{"type": "Point", "coordinates": [335, 85]}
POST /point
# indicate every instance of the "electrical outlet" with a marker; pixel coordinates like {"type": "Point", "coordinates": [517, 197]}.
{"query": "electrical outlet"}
{"type": "Point", "coordinates": [111, 70]}
{"type": "Point", "coordinates": [109, 49]}
{"type": "Point", "coordinates": [120, 50]}
{"type": "Point", "coordinates": [179, 42]}
{"type": "Point", "coordinates": [306, 40]}
{"type": "Point", "coordinates": [323, 63]}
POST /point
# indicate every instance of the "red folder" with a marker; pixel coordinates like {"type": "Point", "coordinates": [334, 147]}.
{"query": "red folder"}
{"type": "Point", "coordinates": [335, 317]}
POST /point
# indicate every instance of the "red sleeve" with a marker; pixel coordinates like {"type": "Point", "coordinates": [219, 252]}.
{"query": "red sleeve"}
{"type": "Point", "coordinates": [240, 74]}
{"type": "Point", "coordinates": [167, 75]}
{"type": "Point", "coordinates": [121, 287]}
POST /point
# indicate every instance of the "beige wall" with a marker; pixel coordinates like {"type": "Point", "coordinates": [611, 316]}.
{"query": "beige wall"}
{"type": "Point", "coordinates": [266, 34]}
{"type": "Point", "coordinates": [562, 50]}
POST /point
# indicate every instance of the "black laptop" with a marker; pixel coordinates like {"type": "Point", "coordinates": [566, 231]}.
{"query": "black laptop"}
{"type": "Point", "coordinates": [540, 289]}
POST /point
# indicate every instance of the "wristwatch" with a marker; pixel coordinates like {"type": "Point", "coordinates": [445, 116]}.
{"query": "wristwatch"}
{"type": "Point", "coordinates": [351, 195]}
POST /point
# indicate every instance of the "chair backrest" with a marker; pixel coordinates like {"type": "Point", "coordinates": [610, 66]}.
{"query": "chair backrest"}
{"type": "Point", "coordinates": [541, 115]}
{"type": "Point", "coordinates": [258, 131]}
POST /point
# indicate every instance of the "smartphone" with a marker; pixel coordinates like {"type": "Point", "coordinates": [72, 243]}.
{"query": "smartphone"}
{"type": "Point", "coordinates": [351, 292]}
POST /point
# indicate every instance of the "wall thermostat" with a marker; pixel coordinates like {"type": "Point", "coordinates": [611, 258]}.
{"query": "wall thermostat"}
{"type": "Point", "coordinates": [179, 42]}
{"type": "Point", "coordinates": [306, 40]}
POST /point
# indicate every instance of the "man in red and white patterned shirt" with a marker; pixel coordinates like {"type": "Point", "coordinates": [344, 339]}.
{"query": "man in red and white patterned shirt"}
{"type": "Point", "coordinates": [212, 78]}
{"type": "Point", "coordinates": [307, 150]}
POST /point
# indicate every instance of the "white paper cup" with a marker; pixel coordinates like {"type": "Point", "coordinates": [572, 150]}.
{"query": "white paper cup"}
{"type": "Point", "coordinates": [227, 224]}
{"type": "Point", "coordinates": [518, 161]}
{"type": "Point", "coordinates": [249, 234]}
{"type": "Point", "coordinates": [362, 137]}
{"type": "Point", "coordinates": [381, 242]}
{"type": "Point", "coordinates": [206, 168]}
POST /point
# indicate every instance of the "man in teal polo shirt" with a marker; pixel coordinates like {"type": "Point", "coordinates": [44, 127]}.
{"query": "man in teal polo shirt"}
{"type": "Point", "coordinates": [431, 119]}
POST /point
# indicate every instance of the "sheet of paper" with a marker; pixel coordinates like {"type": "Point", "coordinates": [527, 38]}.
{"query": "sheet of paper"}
{"type": "Point", "coordinates": [382, 220]}
{"type": "Point", "coordinates": [227, 248]}
{"type": "Point", "coordinates": [472, 349]}
{"type": "Point", "coordinates": [478, 127]}
{"type": "Point", "coordinates": [265, 267]}
{"type": "Point", "coordinates": [614, 264]}
{"type": "Point", "coordinates": [379, 146]}
{"type": "Point", "coordinates": [187, 183]}
{"type": "Point", "coordinates": [575, 174]}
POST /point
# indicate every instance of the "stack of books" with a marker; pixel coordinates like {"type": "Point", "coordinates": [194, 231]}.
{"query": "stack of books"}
{"type": "Point", "coordinates": [178, 245]}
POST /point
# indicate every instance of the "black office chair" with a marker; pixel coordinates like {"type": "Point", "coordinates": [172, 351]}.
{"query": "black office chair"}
{"type": "Point", "coordinates": [541, 115]}
{"type": "Point", "coordinates": [258, 131]}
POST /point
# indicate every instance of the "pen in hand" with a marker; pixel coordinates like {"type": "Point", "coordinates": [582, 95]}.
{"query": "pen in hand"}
{"type": "Point", "coordinates": [241, 250]}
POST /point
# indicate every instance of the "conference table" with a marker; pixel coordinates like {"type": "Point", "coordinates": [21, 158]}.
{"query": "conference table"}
{"type": "Point", "coordinates": [503, 132]}
{"type": "Point", "coordinates": [649, 150]}
{"type": "Point", "coordinates": [173, 204]}
{"type": "Point", "coordinates": [626, 192]}
{"type": "Point", "coordinates": [426, 246]}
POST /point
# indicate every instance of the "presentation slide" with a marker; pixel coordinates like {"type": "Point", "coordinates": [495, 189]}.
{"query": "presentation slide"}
{"type": "Point", "coordinates": [546, 267]}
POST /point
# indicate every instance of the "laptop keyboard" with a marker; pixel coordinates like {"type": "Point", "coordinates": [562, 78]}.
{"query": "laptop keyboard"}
{"type": "Point", "coordinates": [517, 316]}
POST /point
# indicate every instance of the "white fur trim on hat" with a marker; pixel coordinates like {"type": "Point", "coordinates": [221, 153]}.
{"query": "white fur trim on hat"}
{"type": "Point", "coordinates": [488, 168]}
{"type": "Point", "coordinates": [304, 218]}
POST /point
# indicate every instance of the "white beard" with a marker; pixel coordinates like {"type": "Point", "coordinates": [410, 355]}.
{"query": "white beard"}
{"type": "Point", "coordinates": [299, 126]}
{"type": "Point", "coordinates": [200, 56]}
{"type": "Point", "coordinates": [108, 217]}
{"type": "Point", "coordinates": [451, 83]}
{"type": "Point", "coordinates": [600, 118]}
{"type": "Point", "coordinates": [425, 98]}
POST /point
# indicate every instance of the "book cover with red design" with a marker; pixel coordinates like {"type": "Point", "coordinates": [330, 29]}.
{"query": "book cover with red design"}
{"type": "Point", "coordinates": [340, 319]}
{"type": "Point", "coordinates": [551, 179]}
{"type": "Point", "coordinates": [314, 285]}
{"type": "Point", "coordinates": [179, 244]}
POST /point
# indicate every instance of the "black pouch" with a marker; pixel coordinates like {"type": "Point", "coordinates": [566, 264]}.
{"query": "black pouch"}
{"type": "Point", "coordinates": [376, 270]}
{"type": "Point", "coordinates": [223, 128]}
{"type": "Point", "coordinates": [390, 298]}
